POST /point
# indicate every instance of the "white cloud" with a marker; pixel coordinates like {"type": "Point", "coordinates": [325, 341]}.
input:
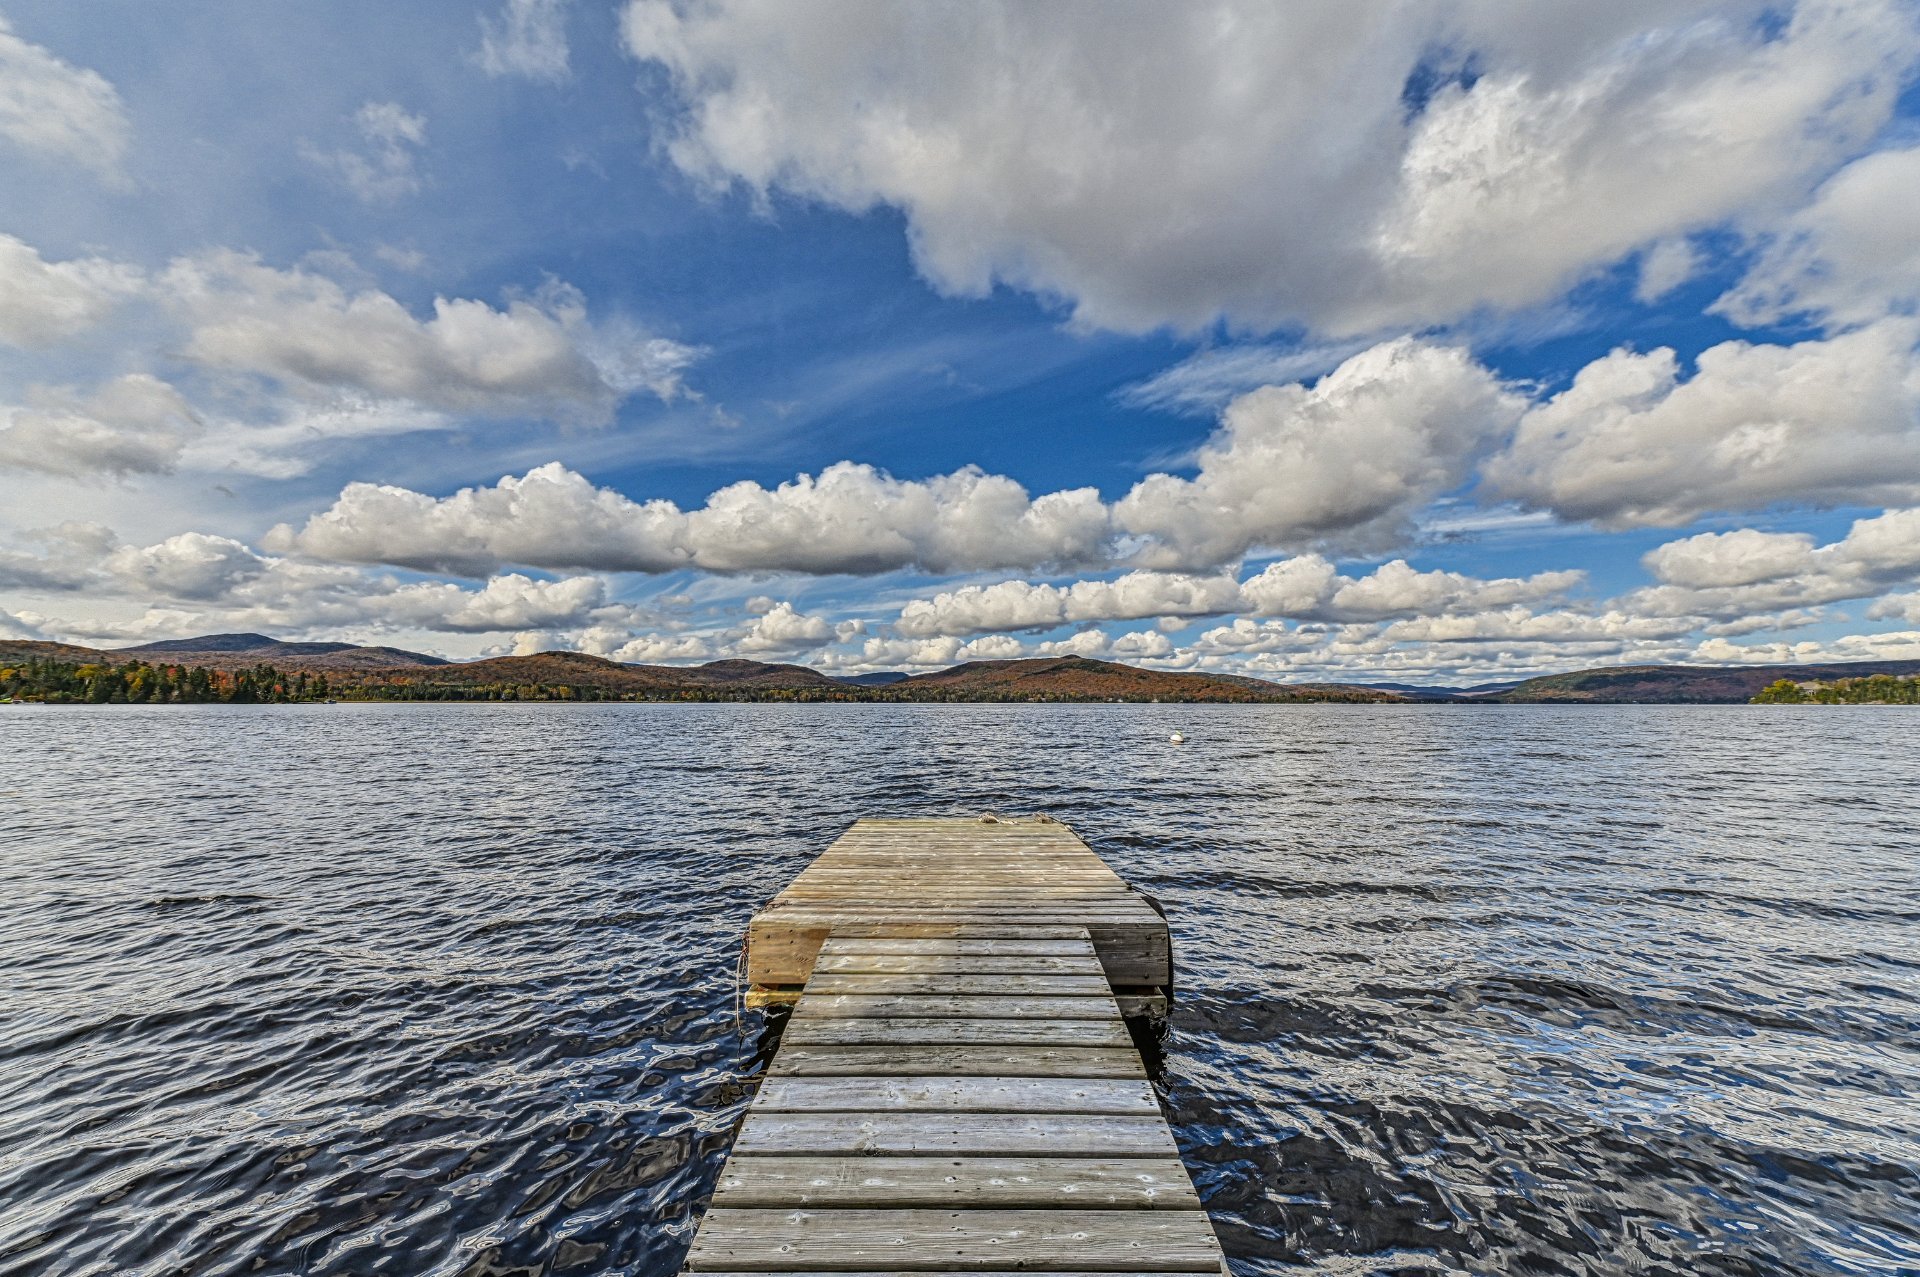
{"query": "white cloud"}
{"type": "Point", "coordinates": [1744, 573]}
{"type": "Point", "coordinates": [70, 560]}
{"type": "Point", "coordinates": [386, 167]}
{"type": "Point", "coordinates": [42, 302]}
{"type": "Point", "coordinates": [782, 629]}
{"type": "Point", "coordinates": [1292, 175]}
{"type": "Point", "coordinates": [191, 565]}
{"type": "Point", "coordinates": [1211, 379]}
{"type": "Point", "coordinates": [1905, 607]}
{"type": "Point", "coordinates": [880, 652]}
{"type": "Point", "coordinates": [1850, 256]}
{"type": "Point", "coordinates": [549, 518]}
{"type": "Point", "coordinates": [1307, 587]}
{"type": "Point", "coordinates": [1741, 557]}
{"type": "Point", "coordinates": [655, 648]}
{"type": "Point", "coordinates": [299, 439]}
{"type": "Point", "coordinates": [1019, 605]}
{"type": "Point", "coordinates": [528, 38]}
{"type": "Point", "coordinates": [849, 518]}
{"type": "Point", "coordinates": [1519, 623]}
{"type": "Point", "coordinates": [1826, 422]}
{"type": "Point", "coordinates": [854, 518]}
{"type": "Point", "coordinates": [539, 355]}
{"type": "Point", "coordinates": [52, 107]}
{"type": "Point", "coordinates": [1349, 460]}
{"type": "Point", "coordinates": [135, 424]}
{"type": "Point", "coordinates": [1663, 268]}
{"type": "Point", "coordinates": [510, 602]}
{"type": "Point", "coordinates": [1397, 589]}
{"type": "Point", "coordinates": [14, 626]}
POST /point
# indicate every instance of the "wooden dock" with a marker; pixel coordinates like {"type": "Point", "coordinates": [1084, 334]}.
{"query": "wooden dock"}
{"type": "Point", "coordinates": [957, 1090]}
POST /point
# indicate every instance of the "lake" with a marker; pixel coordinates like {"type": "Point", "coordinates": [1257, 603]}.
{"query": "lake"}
{"type": "Point", "coordinates": [425, 989]}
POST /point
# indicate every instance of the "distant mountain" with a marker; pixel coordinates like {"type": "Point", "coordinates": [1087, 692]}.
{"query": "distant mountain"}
{"type": "Point", "coordinates": [579, 670]}
{"type": "Point", "coordinates": [1431, 692]}
{"type": "Point", "coordinates": [737, 673]}
{"type": "Point", "coordinates": [1082, 678]}
{"type": "Point", "coordinates": [12, 650]}
{"type": "Point", "coordinates": [886, 678]}
{"type": "Point", "coordinates": [1684, 684]}
{"type": "Point", "coordinates": [1067, 678]}
{"type": "Point", "coordinates": [230, 650]}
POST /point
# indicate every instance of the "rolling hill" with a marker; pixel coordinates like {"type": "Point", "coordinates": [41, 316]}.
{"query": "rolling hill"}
{"type": "Point", "coordinates": [1682, 684]}
{"type": "Point", "coordinates": [226, 651]}
{"type": "Point", "coordinates": [1082, 678]}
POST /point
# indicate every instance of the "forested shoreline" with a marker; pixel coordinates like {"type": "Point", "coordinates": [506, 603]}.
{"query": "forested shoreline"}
{"type": "Point", "coordinates": [1876, 689]}
{"type": "Point", "coordinates": [140, 683]}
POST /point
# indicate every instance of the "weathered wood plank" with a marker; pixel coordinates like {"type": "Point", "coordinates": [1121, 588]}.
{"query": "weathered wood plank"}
{"type": "Point", "coordinates": [743, 1239]}
{"type": "Point", "coordinates": [982, 946]}
{"type": "Point", "coordinates": [956, 1134]}
{"type": "Point", "coordinates": [958, 1060]}
{"type": "Point", "coordinates": [886, 1095]}
{"type": "Point", "coordinates": [829, 1032]}
{"type": "Point", "coordinates": [1094, 985]}
{"type": "Point", "coordinates": [974, 1183]}
{"type": "Point", "coordinates": [845, 963]}
{"type": "Point", "coordinates": [960, 1006]}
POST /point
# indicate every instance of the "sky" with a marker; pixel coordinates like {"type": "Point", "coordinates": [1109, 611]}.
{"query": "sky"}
{"type": "Point", "coordinates": [1443, 342]}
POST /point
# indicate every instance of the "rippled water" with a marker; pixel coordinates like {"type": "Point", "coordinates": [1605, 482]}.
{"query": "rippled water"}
{"type": "Point", "coordinates": [450, 989]}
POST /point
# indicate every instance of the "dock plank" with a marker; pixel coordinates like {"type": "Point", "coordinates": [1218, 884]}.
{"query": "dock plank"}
{"type": "Point", "coordinates": [955, 1006]}
{"type": "Point", "coordinates": [768, 1240]}
{"type": "Point", "coordinates": [808, 1031]}
{"type": "Point", "coordinates": [853, 963]}
{"type": "Point", "coordinates": [957, 1094]}
{"type": "Point", "coordinates": [924, 983]}
{"type": "Point", "coordinates": [963, 1060]}
{"type": "Point", "coordinates": [956, 1134]}
{"type": "Point", "coordinates": [1033, 1183]}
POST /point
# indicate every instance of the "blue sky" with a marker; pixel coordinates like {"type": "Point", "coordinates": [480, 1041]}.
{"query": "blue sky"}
{"type": "Point", "coordinates": [1462, 341]}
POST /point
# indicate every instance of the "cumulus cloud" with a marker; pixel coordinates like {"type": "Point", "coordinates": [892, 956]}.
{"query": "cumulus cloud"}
{"type": "Point", "coordinates": [385, 167]}
{"type": "Point", "coordinates": [527, 38]}
{"type": "Point", "coordinates": [1349, 460]}
{"type": "Point", "coordinates": [510, 602]}
{"type": "Point", "coordinates": [849, 518]}
{"type": "Point", "coordinates": [781, 628]}
{"type": "Point", "coordinates": [191, 565]}
{"type": "Point", "coordinates": [1020, 605]}
{"type": "Point", "coordinates": [136, 424]}
{"type": "Point", "coordinates": [58, 109]}
{"type": "Point", "coordinates": [1851, 256]}
{"type": "Point", "coordinates": [42, 302]}
{"type": "Point", "coordinates": [1631, 443]}
{"type": "Point", "coordinates": [1416, 167]}
{"type": "Point", "coordinates": [1307, 587]}
{"type": "Point", "coordinates": [1741, 557]}
{"type": "Point", "coordinates": [538, 355]}
{"type": "Point", "coordinates": [1747, 572]}
{"type": "Point", "coordinates": [1521, 624]}
{"type": "Point", "coordinates": [651, 649]}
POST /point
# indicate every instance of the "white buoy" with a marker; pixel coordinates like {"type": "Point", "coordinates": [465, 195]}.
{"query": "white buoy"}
{"type": "Point", "coordinates": [1178, 738]}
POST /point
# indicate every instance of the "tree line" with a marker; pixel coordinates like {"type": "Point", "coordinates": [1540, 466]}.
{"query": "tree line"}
{"type": "Point", "coordinates": [1876, 689]}
{"type": "Point", "coordinates": [138, 683]}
